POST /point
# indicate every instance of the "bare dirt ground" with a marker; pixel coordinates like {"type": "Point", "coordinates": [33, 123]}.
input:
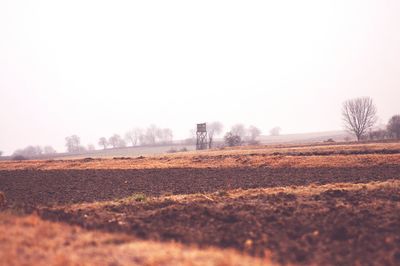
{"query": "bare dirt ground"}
{"type": "Point", "coordinates": [324, 205]}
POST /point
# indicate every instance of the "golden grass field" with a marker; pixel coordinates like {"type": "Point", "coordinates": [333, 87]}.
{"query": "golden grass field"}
{"type": "Point", "coordinates": [262, 205]}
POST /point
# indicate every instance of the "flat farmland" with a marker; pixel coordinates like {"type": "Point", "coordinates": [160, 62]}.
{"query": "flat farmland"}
{"type": "Point", "coordinates": [266, 205]}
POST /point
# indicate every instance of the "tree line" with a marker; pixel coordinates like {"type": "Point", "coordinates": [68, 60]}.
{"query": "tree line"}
{"type": "Point", "coordinates": [239, 135]}
{"type": "Point", "coordinates": [150, 136]}
{"type": "Point", "coordinates": [34, 151]}
{"type": "Point", "coordinates": [359, 117]}
{"type": "Point", "coordinates": [154, 135]}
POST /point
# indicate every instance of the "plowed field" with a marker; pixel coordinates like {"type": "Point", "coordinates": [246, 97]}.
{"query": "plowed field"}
{"type": "Point", "coordinates": [320, 205]}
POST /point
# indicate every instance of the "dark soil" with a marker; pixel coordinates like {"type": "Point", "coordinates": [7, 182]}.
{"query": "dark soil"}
{"type": "Point", "coordinates": [328, 227]}
{"type": "Point", "coordinates": [355, 223]}
{"type": "Point", "coordinates": [48, 187]}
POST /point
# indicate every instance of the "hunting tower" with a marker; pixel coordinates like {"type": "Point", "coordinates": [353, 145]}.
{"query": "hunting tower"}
{"type": "Point", "coordinates": [201, 133]}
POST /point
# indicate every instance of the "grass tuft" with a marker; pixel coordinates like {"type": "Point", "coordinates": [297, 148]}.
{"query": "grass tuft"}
{"type": "Point", "coordinates": [2, 199]}
{"type": "Point", "coordinates": [222, 193]}
{"type": "Point", "coordinates": [138, 197]}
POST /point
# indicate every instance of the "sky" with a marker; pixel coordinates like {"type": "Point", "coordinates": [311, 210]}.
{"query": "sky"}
{"type": "Point", "coordinates": [94, 68]}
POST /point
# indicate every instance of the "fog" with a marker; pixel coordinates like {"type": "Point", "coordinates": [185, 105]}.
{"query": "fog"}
{"type": "Point", "coordinates": [95, 68]}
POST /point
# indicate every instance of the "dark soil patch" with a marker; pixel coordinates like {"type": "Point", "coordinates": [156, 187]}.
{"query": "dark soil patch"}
{"type": "Point", "coordinates": [49, 187]}
{"type": "Point", "coordinates": [342, 227]}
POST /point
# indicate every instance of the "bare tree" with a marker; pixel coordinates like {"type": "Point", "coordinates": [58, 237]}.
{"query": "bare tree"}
{"type": "Point", "coordinates": [142, 139]}
{"type": "Point", "coordinates": [359, 115]}
{"type": "Point", "coordinates": [1, 153]}
{"type": "Point", "coordinates": [254, 133]}
{"type": "Point", "coordinates": [73, 143]}
{"type": "Point", "coordinates": [232, 139]}
{"type": "Point", "coordinates": [49, 150]}
{"type": "Point", "coordinates": [166, 135]}
{"type": "Point", "coordinates": [276, 131]}
{"type": "Point", "coordinates": [155, 135]}
{"type": "Point", "coordinates": [393, 126]}
{"type": "Point", "coordinates": [239, 130]}
{"type": "Point", "coordinates": [113, 140]}
{"type": "Point", "coordinates": [213, 130]}
{"type": "Point", "coordinates": [159, 135]}
{"type": "Point", "coordinates": [38, 150]}
{"type": "Point", "coordinates": [103, 142]}
{"type": "Point", "coordinates": [133, 136]}
{"type": "Point", "coordinates": [116, 141]}
{"type": "Point", "coordinates": [151, 134]}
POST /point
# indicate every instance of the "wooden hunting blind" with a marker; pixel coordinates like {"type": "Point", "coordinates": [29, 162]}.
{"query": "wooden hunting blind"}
{"type": "Point", "coordinates": [201, 133]}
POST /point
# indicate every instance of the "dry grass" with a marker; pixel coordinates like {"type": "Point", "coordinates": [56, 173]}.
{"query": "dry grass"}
{"type": "Point", "coordinates": [32, 241]}
{"type": "Point", "coordinates": [237, 194]}
{"type": "Point", "coordinates": [356, 155]}
{"type": "Point", "coordinates": [2, 199]}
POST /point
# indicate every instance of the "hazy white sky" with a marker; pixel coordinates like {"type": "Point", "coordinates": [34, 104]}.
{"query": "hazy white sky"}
{"type": "Point", "coordinates": [95, 68]}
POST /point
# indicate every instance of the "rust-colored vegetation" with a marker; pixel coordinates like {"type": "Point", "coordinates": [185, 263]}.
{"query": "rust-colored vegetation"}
{"type": "Point", "coordinates": [2, 199]}
{"type": "Point", "coordinates": [356, 155]}
{"type": "Point", "coordinates": [30, 240]}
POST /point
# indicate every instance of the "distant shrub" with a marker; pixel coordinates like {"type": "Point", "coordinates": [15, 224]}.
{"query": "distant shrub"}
{"type": "Point", "coordinates": [19, 158]}
{"type": "Point", "coordinates": [378, 134]}
{"type": "Point", "coordinates": [232, 139]}
{"type": "Point", "coordinates": [139, 197]}
{"type": "Point", "coordinates": [183, 149]}
{"type": "Point", "coordinates": [122, 158]}
{"type": "Point", "coordinates": [172, 150]}
{"type": "Point", "coordinates": [222, 193]}
{"type": "Point", "coordinates": [30, 151]}
{"type": "Point", "coordinates": [167, 194]}
{"type": "Point", "coordinates": [330, 140]}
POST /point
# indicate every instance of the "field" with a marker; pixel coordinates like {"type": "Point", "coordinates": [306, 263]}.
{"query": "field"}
{"type": "Point", "coordinates": [262, 205]}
